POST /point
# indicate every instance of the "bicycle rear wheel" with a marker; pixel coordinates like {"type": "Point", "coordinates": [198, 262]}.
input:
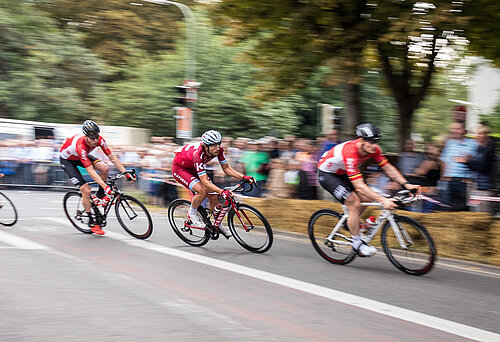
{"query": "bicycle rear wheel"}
{"type": "Point", "coordinates": [177, 216]}
{"type": "Point", "coordinates": [134, 217]}
{"type": "Point", "coordinates": [8, 212]}
{"type": "Point", "coordinates": [250, 229]}
{"type": "Point", "coordinates": [73, 207]}
{"type": "Point", "coordinates": [321, 225]}
{"type": "Point", "coordinates": [415, 253]}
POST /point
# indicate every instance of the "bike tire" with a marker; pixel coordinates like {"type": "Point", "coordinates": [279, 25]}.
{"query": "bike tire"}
{"type": "Point", "coordinates": [419, 258]}
{"type": "Point", "coordinates": [259, 238]}
{"type": "Point", "coordinates": [8, 212]}
{"type": "Point", "coordinates": [134, 217]}
{"type": "Point", "coordinates": [320, 226]}
{"type": "Point", "coordinates": [177, 215]}
{"type": "Point", "coordinates": [75, 212]}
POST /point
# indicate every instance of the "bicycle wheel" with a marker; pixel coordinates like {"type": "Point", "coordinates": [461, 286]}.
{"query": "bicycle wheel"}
{"type": "Point", "coordinates": [321, 225]}
{"type": "Point", "coordinates": [8, 212]}
{"type": "Point", "coordinates": [250, 229]}
{"type": "Point", "coordinates": [177, 216]}
{"type": "Point", "coordinates": [73, 207]}
{"type": "Point", "coordinates": [134, 217]}
{"type": "Point", "coordinates": [415, 253]}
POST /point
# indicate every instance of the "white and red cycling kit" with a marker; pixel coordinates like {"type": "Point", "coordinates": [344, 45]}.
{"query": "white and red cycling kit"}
{"type": "Point", "coordinates": [75, 152]}
{"type": "Point", "coordinates": [76, 148]}
{"type": "Point", "coordinates": [344, 159]}
{"type": "Point", "coordinates": [189, 163]}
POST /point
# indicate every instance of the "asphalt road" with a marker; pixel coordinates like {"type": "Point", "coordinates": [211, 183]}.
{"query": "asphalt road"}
{"type": "Point", "coordinates": [57, 284]}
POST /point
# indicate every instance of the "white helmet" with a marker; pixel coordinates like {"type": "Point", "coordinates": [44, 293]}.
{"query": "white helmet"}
{"type": "Point", "coordinates": [211, 137]}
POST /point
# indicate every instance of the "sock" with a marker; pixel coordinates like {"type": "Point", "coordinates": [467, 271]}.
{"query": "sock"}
{"type": "Point", "coordinates": [91, 220]}
{"type": "Point", "coordinates": [356, 241]}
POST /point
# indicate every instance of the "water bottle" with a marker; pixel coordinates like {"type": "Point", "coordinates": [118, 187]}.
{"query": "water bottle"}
{"type": "Point", "coordinates": [217, 210]}
{"type": "Point", "coordinates": [367, 227]}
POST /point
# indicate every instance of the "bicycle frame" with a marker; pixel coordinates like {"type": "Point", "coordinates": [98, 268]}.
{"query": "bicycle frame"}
{"type": "Point", "coordinates": [385, 215]}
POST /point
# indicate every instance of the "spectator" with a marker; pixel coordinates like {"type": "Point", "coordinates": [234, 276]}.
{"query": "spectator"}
{"type": "Point", "coordinates": [332, 139]}
{"type": "Point", "coordinates": [285, 149]}
{"type": "Point", "coordinates": [275, 185]}
{"type": "Point", "coordinates": [409, 159]}
{"type": "Point", "coordinates": [307, 175]}
{"type": "Point", "coordinates": [291, 177]}
{"type": "Point", "coordinates": [482, 163]}
{"type": "Point", "coordinates": [256, 162]}
{"type": "Point", "coordinates": [456, 174]}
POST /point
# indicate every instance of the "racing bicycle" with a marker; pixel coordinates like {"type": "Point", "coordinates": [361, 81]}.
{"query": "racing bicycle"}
{"type": "Point", "coordinates": [248, 225]}
{"type": "Point", "coordinates": [8, 212]}
{"type": "Point", "coordinates": [130, 212]}
{"type": "Point", "coordinates": [405, 241]}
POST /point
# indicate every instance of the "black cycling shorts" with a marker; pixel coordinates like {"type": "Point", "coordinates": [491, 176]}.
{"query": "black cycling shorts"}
{"type": "Point", "coordinates": [70, 167]}
{"type": "Point", "coordinates": [338, 185]}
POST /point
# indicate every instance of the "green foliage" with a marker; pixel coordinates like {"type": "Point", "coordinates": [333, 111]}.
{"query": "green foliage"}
{"type": "Point", "coordinates": [111, 26]}
{"type": "Point", "coordinates": [44, 73]}
{"type": "Point", "coordinates": [493, 119]}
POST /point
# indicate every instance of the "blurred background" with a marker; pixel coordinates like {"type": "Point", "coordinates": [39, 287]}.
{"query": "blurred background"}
{"type": "Point", "coordinates": [284, 81]}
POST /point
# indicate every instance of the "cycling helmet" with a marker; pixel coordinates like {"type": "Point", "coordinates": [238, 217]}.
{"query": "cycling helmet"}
{"type": "Point", "coordinates": [368, 131]}
{"type": "Point", "coordinates": [90, 128]}
{"type": "Point", "coordinates": [211, 137]}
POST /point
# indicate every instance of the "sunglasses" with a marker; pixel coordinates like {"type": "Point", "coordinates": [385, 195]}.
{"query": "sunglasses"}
{"type": "Point", "coordinates": [93, 137]}
{"type": "Point", "coordinates": [373, 142]}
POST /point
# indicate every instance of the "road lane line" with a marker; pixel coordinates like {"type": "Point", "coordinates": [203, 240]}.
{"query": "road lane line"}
{"type": "Point", "coordinates": [338, 296]}
{"type": "Point", "coordinates": [19, 242]}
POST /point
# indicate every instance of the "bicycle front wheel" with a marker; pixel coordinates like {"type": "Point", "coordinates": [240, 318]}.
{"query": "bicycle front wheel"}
{"type": "Point", "coordinates": [408, 246]}
{"type": "Point", "coordinates": [134, 217]}
{"type": "Point", "coordinates": [8, 212]}
{"type": "Point", "coordinates": [177, 216]}
{"type": "Point", "coordinates": [250, 229]}
{"type": "Point", "coordinates": [73, 207]}
{"type": "Point", "coordinates": [338, 249]}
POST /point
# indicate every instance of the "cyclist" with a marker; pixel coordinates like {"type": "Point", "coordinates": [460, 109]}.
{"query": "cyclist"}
{"type": "Point", "coordinates": [188, 168]}
{"type": "Point", "coordinates": [339, 174]}
{"type": "Point", "coordinates": [75, 152]}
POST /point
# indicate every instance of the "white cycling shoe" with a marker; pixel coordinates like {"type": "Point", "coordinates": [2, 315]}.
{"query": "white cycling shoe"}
{"type": "Point", "coordinates": [225, 231]}
{"type": "Point", "coordinates": [196, 221]}
{"type": "Point", "coordinates": [365, 250]}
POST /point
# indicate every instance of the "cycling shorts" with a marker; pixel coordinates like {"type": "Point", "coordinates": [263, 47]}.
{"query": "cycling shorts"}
{"type": "Point", "coordinates": [187, 177]}
{"type": "Point", "coordinates": [70, 167]}
{"type": "Point", "coordinates": [338, 185]}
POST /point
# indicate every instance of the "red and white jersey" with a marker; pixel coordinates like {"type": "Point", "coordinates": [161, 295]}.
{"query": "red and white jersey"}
{"type": "Point", "coordinates": [194, 157]}
{"type": "Point", "coordinates": [345, 159]}
{"type": "Point", "coordinates": [76, 147]}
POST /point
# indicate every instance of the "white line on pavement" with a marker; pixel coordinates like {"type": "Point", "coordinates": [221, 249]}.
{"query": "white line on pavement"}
{"type": "Point", "coordinates": [19, 242]}
{"type": "Point", "coordinates": [346, 298]}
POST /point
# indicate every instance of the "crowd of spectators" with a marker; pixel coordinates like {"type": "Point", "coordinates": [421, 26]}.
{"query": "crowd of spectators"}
{"type": "Point", "coordinates": [457, 172]}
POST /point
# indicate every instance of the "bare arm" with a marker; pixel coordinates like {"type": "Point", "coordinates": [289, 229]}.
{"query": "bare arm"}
{"type": "Point", "coordinates": [95, 176]}
{"type": "Point", "coordinates": [366, 192]}
{"type": "Point", "coordinates": [116, 162]}
{"type": "Point", "coordinates": [231, 172]}
{"type": "Point", "coordinates": [396, 176]}
{"type": "Point", "coordinates": [206, 181]}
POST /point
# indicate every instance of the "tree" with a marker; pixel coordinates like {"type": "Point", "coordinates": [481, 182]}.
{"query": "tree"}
{"type": "Point", "coordinates": [409, 37]}
{"type": "Point", "coordinates": [44, 74]}
{"type": "Point", "coordinates": [112, 27]}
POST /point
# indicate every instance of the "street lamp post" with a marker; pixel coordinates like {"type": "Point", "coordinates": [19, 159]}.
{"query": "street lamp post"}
{"type": "Point", "coordinates": [190, 36]}
{"type": "Point", "coordinates": [190, 69]}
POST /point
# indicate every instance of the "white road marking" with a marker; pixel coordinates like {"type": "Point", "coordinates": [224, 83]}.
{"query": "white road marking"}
{"type": "Point", "coordinates": [19, 242]}
{"type": "Point", "coordinates": [335, 295]}
{"type": "Point", "coordinates": [338, 296]}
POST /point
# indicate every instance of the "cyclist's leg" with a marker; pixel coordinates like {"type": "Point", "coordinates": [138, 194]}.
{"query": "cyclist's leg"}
{"type": "Point", "coordinates": [86, 193]}
{"type": "Point", "coordinates": [213, 200]}
{"type": "Point", "coordinates": [103, 171]}
{"type": "Point", "coordinates": [353, 204]}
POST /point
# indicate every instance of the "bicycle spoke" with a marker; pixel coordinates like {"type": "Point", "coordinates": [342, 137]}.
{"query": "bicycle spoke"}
{"type": "Point", "coordinates": [409, 246]}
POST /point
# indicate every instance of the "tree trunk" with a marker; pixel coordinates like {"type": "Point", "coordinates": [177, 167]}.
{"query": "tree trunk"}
{"type": "Point", "coordinates": [405, 110]}
{"type": "Point", "coordinates": [352, 112]}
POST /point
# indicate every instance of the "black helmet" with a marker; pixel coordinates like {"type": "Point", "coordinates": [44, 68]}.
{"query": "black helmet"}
{"type": "Point", "coordinates": [368, 131]}
{"type": "Point", "coordinates": [90, 128]}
